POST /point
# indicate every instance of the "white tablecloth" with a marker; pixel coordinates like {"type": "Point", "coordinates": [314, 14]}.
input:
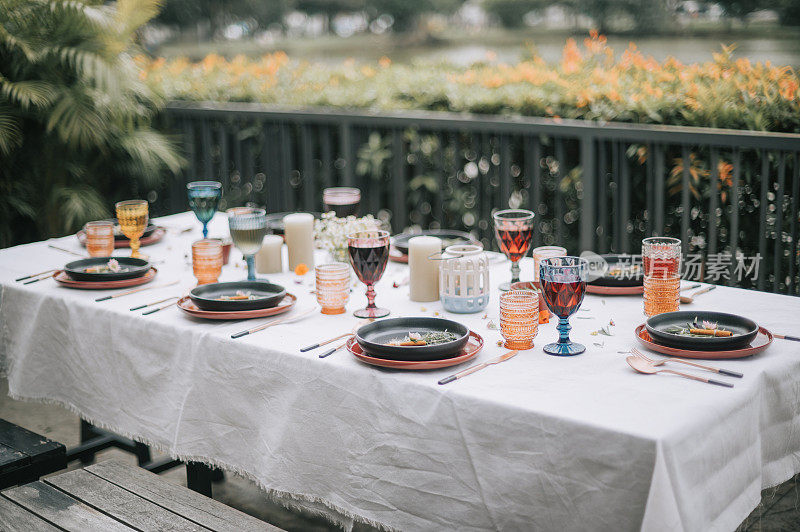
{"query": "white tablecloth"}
{"type": "Point", "coordinates": [539, 442]}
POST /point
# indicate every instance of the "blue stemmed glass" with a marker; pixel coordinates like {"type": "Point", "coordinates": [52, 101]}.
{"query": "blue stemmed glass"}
{"type": "Point", "coordinates": [248, 226]}
{"type": "Point", "coordinates": [563, 281]}
{"type": "Point", "coordinates": [204, 199]}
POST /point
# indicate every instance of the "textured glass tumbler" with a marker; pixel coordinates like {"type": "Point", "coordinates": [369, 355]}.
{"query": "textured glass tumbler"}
{"type": "Point", "coordinates": [545, 252]}
{"type": "Point", "coordinates": [99, 238]}
{"type": "Point", "coordinates": [333, 287]}
{"type": "Point", "coordinates": [207, 260]}
{"type": "Point", "coordinates": [661, 259]}
{"type": "Point", "coordinates": [133, 216]}
{"type": "Point", "coordinates": [519, 318]}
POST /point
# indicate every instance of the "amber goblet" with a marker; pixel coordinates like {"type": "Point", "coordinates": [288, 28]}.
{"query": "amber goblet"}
{"type": "Point", "coordinates": [133, 216]}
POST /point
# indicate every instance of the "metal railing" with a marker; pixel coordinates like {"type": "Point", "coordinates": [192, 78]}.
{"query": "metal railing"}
{"type": "Point", "coordinates": [594, 186]}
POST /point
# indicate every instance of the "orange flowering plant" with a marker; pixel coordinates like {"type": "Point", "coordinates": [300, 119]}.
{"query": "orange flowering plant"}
{"type": "Point", "coordinates": [590, 82]}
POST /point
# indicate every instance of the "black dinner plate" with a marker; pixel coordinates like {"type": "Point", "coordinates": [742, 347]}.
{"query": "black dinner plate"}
{"type": "Point", "coordinates": [743, 329]}
{"type": "Point", "coordinates": [373, 337]}
{"type": "Point", "coordinates": [205, 296]}
{"type": "Point", "coordinates": [636, 278]}
{"type": "Point", "coordinates": [275, 221]}
{"type": "Point", "coordinates": [118, 232]}
{"type": "Point", "coordinates": [449, 238]}
{"type": "Point", "coordinates": [133, 268]}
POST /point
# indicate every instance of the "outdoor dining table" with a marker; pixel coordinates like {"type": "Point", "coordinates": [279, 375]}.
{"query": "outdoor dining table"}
{"type": "Point", "coordinates": [536, 443]}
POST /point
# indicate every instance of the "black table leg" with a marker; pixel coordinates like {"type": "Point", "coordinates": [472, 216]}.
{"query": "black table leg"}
{"type": "Point", "coordinates": [198, 478]}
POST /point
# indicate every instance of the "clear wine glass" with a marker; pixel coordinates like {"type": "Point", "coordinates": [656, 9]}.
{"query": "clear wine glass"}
{"type": "Point", "coordinates": [514, 231]}
{"type": "Point", "coordinates": [248, 226]}
{"type": "Point", "coordinates": [369, 251]}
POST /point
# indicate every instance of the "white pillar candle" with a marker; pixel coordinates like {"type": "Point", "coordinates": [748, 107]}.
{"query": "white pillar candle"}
{"type": "Point", "coordinates": [268, 258]}
{"type": "Point", "coordinates": [299, 236]}
{"type": "Point", "coordinates": [424, 274]}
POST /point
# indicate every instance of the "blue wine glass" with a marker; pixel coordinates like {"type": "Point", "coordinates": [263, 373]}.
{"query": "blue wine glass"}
{"type": "Point", "coordinates": [204, 199]}
{"type": "Point", "coordinates": [563, 281]}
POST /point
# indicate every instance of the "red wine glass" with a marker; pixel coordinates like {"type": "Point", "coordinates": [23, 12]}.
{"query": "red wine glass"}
{"type": "Point", "coordinates": [514, 231]}
{"type": "Point", "coordinates": [563, 281]}
{"type": "Point", "coordinates": [369, 251]}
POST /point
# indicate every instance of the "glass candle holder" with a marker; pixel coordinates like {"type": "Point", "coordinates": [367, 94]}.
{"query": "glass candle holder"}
{"type": "Point", "coordinates": [545, 252]}
{"type": "Point", "coordinates": [333, 287]}
{"type": "Point", "coordinates": [99, 238]}
{"type": "Point", "coordinates": [519, 318]}
{"type": "Point", "coordinates": [133, 216]}
{"type": "Point", "coordinates": [207, 260]}
{"type": "Point", "coordinates": [513, 229]}
{"type": "Point", "coordinates": [661, 259]}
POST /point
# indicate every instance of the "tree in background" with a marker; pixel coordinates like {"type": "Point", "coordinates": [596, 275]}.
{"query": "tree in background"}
{"type": "Point", "coordinates": [217, 13]}
{"type": "Point", "coordinates": [75, 118]}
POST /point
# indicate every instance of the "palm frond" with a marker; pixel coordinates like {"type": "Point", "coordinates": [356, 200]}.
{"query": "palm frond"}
{"type": "Point", "coordinates": [77, 205]}
{"type": "Point", "coordinates": [28, 93]}
{"type": "Point", "coordinates": [10, 133]}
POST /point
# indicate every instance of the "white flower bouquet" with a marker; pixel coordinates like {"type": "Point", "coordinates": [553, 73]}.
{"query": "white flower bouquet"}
{"type": "Point", "coordinates": [331, 232]}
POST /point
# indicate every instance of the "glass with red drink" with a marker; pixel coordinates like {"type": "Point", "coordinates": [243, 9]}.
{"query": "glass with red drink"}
{"type": "Point", "coordinates": [563, 281]}
{"type": "Point", "coordinates": [369, 251]}
{"type": "Point", "coordinates": [514, 231]}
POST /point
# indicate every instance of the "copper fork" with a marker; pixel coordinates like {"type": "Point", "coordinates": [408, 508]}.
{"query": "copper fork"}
{"type": "Point", "coordinates": [663, 361]}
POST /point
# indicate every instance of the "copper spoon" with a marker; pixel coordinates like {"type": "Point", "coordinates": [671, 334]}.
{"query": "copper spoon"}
{"type": "Point", "coordinates": [643, 366]}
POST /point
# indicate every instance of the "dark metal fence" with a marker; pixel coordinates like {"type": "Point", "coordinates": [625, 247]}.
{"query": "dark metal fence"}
{"type": "Point", "coordinates": [732, 196]}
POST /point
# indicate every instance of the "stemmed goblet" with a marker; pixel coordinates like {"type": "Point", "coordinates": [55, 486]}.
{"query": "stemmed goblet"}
{"type": "Point", "coordinates": [248, 225]}
{"type": "Point", "coordinates": [133, 216]}
{"type": "Point", "coordinates": [563, 281]}
{"type": "Point", "coordinates": [369, 251]}
{"type": "Point", "coordinates": [514, 231]}
{"type": "Point", "coordinates": [204, 199]}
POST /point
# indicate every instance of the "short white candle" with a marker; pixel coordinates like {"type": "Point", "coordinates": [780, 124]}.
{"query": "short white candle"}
{"type": "Point", "coordinates": [424, 274]}
{"type": "Point", "coordinates": [268, 258]}
{"type": "Point", "coordinates": [299, 236]}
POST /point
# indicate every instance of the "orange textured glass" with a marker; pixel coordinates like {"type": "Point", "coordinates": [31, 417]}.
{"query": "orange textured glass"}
{"type": "Point", "coordinates": [661, 258]}
{"type": "Point", "coordinates": [519, 318]}
{"type": "Point", "coordinates": [99, 238]}
{"type": "Point", "coordinates": [333, 287]}
{"type": "Point", "coordinates": [207, 260]}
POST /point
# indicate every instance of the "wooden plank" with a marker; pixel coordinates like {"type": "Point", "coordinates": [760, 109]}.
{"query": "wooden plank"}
{"type": "Point", "coordinates": [62, 510]}
{"type": "Point", "coordinates": [119, 503]}
{"type": "Point", "coordinates": [191, 505]}
{"type": "Point", "coordinates": [14, 518]}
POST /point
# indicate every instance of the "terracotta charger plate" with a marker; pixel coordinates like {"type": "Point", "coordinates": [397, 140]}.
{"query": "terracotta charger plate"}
{"type": "Point", "coordinates": [152, 238]}
{"type": "Point", "coordinates": [62, 278]}
{"type": "Point", "coordinates": [468, 352]}
{"type": "Point", "coordinates": [395, 255]}
{"type": "Point", "coordinates": [186, 305]}
{"type": "Point", "coordinates": [762, 341]}
{"type": "Point", "coordinates": [614, 290]}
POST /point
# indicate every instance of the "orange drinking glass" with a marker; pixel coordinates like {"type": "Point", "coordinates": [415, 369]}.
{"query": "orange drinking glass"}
{"type": "Point", "coordinates": [99, 238]}
{"type": "Point", "coordinates": [333, 287]}
{"type": "Point", "coordinates": [519, 318]}
{"type": "Point", "coordinates": [661, 258]}
{"type": "Point", "coordinates": [207, 260]}
{"type": "Point", "coordinates": [545, 252]}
